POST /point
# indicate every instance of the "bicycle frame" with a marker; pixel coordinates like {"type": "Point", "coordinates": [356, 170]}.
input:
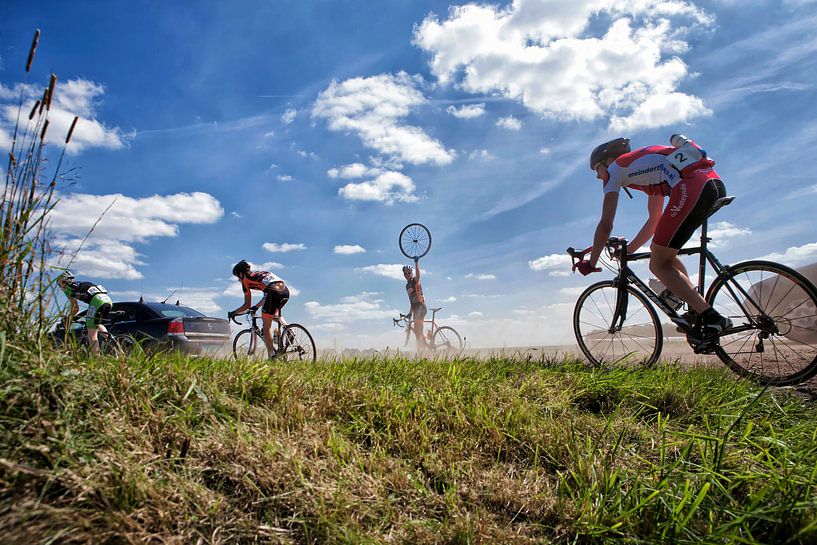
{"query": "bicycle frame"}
{"type": "Point", "coordinates": [410, 325]}
{"type": "Point", "coordinates": [629, 277]}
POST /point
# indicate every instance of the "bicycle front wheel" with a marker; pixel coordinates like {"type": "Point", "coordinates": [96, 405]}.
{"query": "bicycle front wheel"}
{"type": "Point", "coordinates": [297, 344]}
{"type": "Point", "coordinates": [638, 338]}
{"type": "Point", "coordinates": [446, 339]}
{"type": "Point", "coordinates": [249, 345]}
{"type": "Point", "coordinates": [773, 339]}
{"type": "Point", "coordinates": [415, 240]}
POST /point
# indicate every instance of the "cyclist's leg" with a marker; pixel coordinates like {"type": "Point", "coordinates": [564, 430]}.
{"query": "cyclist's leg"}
{"type": "Point", "coordinates": [98, 309]}
{"type": "Point", "coordinates": [276, 297]}
{"type": "Point", "coordinates": [687, 209]}
{"type": "Point", "coordinates": [418, 312]}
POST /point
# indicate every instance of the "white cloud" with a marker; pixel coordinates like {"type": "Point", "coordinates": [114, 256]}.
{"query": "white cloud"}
{"type": "Point", "coordinates": [108, 252]}
{"type": "Point", "coordinates": [285, 178]}
{"type": "Point", "coordinates": [388, 187]}
{"type": "Point", "coordinates": [795, 256]}
{"type": "Point", "coordinates": [288, 116]}
{"type": "Point", "coordinates": [475, 314]}
{"type": "Point", "coordinates": [449, 299]}
{"type": "Point", "coordinates": [483, 154]}
{"type": "Point", "coordinates": [554, 264]}
{"type": "Point", "coordinates": [267, 266]}
{"type": "Point", "coordinates": [558, 60]}
{"type": "Point", "coordinates": [510, 122]}
{"type": "Point", "coordinates": [269, 134]}
{"type": "Point", "coordinates": [481, 276]}
{"type": "Point", "coordinates": [354, 170]}
{"type": "Point", "coordinates": [74, 97]}
{"type": "Point", "coordinates": [372, 108]}
{"type": "Point", "coordinates": [723, 232]}
{"type": "Point", "coordinates": [544, 151]}
{"type": "Point", "coordinates": [275, 247]}
{"type": "Point", "coordinates": [394, 271]}
{"type": "Point", "coordinates": [349, 249]}
{"type": "Point", "coordinates": [467, 111]}
{"type": "Point", "coordinates": [351, 308]}
{"type": "Point", "coordinates": [573, 292]}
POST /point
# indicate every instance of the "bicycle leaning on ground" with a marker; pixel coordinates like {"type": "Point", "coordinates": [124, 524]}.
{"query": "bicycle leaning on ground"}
{"type": "Point", "coordinates": [440, 338]}
{"type": "Point", "coordinates": [773, 339]}
{"type": "Point", "coordinates": [293, 342]}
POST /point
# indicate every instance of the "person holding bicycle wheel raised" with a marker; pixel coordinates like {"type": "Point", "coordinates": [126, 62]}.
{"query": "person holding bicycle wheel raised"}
{"type": "Point", "coordinates": [418, 309]}
{"type": "Point", "coordinates": [682, 172]}
{"type": "Point", "coordinates": [276, 295]}
{"type": "Point", "coordinates": [98, 301]}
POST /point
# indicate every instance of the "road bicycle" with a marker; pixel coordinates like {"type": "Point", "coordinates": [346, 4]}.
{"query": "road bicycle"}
{"type": "Point", "coordinates": [110, 344]}
{"type": "Point", "coordinates": [444, 339]}
{"type": "Point", "coordinates": [773, 338]}
{"type": "Point", "coordinates": [294, 342]}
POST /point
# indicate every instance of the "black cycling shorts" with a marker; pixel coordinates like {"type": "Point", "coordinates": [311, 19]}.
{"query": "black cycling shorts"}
{"type": "Point", "coordinates": [275, 297]}
{"type": "Point", "coordinates": [95, 315]}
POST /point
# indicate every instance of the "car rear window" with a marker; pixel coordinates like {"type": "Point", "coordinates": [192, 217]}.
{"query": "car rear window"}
{"type": "Point", "coordinates": [173, 311]}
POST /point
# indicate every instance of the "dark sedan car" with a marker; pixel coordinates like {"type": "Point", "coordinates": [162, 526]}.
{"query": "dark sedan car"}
{"type": "Point", "coordinates": [162, 326]}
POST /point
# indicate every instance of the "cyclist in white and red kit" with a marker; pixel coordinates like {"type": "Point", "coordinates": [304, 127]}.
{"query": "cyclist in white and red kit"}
{"type": "Point", "coordinates": [681, 172]}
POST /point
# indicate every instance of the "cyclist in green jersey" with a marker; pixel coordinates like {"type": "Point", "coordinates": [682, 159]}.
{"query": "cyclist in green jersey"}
{"type": "Point", "coordinates": [97, 299]}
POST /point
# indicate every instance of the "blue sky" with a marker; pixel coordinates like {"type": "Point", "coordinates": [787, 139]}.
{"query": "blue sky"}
{"type": "Point", "coordinates": [278, 131]}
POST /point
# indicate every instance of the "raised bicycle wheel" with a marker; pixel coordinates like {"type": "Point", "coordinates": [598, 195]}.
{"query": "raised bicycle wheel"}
{"type": "Point", "coordinates": [773, 339]}
{"type": "Point", "coordinates": [415, 240]}
{"type": "Point", "coordinates": [446, 339]}
{"type": "Point", "coordinates": [297, 344]}
{"type": "Point", "coordinates": [639, 339]}
{"type": "Point", "coordinates": [249, 345]}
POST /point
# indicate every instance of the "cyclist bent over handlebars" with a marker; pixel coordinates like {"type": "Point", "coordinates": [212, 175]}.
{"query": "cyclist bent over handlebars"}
{"type": "Point", "coordinates": [276, 295]}
{"type": "Point", "coordinates": [681, 172]}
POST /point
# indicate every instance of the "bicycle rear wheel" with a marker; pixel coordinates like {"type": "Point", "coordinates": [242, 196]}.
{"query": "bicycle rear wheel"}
{"type": "Point", "coordinates": [250, 345]}
{"type": "Point", "coordinates": [638, 339]}
{"type": "Point", "coordinates": [447, 340]}
{"type": "Point", "coordinates": [297, 344]}
{"type": "Point", "coordinates": [773, 339]}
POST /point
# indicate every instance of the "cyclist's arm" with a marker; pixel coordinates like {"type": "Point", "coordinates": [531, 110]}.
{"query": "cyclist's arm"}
{"type": "Point", "coordinates": [655, 207]}
{"type": "Point", "coordinates": [71, 313]}
{"type": "Point", "coordinates": [247, 302]}
{"type": "Point", "coordinates": [605, 226]}
{"type": "Point", "coordinates": [417, 270]}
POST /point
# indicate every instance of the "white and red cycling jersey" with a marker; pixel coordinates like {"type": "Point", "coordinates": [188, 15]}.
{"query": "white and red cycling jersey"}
{"type": "Point", "coordinates": [655, 169]}
{"type": "Point", "coordinates": [259, 280]}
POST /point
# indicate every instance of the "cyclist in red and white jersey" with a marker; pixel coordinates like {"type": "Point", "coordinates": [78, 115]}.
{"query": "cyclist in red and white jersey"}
{"type": "Point", "coordinates": [681, 172]}
{"type": "Point", "coordinates": [276, 295]}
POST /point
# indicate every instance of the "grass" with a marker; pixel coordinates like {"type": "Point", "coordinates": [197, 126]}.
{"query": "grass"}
{"type": "Point", "coordinates": [165, 449]}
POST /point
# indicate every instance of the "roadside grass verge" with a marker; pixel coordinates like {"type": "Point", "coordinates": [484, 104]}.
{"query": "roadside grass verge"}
{"type": "Point", "coordinates": [166, 449]}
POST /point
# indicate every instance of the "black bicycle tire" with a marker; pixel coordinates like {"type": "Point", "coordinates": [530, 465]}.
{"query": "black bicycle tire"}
{"type": "Point", "coordinates": [454, 331]}
{"type": "Point", "coordinates": [400, 240]}
{"type": "Point", "coordinates": [285, 337]}
{"type": "Point", "coordinates": [259, 344]}
{"type": "Point", "coordinates": [795, 378]}
{"type": "Point", "coordinates": [659, 334]}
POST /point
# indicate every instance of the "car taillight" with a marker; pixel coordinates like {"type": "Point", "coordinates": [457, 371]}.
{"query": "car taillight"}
{"type": "Point", "coordinates": [175, 327]}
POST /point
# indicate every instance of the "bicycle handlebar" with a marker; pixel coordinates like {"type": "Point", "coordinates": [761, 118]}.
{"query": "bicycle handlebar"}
{"type": "Point", "coordinates": [233, 316]}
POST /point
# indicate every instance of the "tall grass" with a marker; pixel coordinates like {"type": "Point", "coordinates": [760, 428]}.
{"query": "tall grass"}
{"type": "Point", "coordinates": [29, 194]}
{"type": "Point", "coordinates": [166, 449]}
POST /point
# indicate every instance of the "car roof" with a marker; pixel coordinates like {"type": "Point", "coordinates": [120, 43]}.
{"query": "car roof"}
{"type": "Point", "coordinates": [158, 307]}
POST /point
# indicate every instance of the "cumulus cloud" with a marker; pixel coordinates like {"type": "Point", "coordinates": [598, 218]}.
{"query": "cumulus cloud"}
{"type": "Point", "coordinates": [349, 249]}
{"type": "Point", "coordinates": [373, 108]}
{"type": "Point", "coordinates": [510, 122]}
{"type": "Point", "coordinates": [351, 308]}
{"type": "Point", "coordinates": [388, 187]}
{"type": "Point", "coordinates": [554, 264]}
{"type": "Point", "coordinates": [285, 178]}
{"type": "Point", "coordinates": [581, 60]}
{"type": "Point", "coordinates": [74, 97]}
{"type": "Point", "coordinates": [481, 276]}
{"type": "Point", "coordinates": [468, 111]}
{"type": "Point", "coordinates": [108, 252]}
{"type": "Point", "coordinates": [275, 247]}
{"type": "Point", "coordinates": [795, 256]}
{"type": "Point", "coordinates": [354, 170]}
{"type": "Point", "coordinates": [394, 271]}
{"type": "Point", "coordinates": [723, 233]}
{"type": "Point", "coordinates": [288, 116]}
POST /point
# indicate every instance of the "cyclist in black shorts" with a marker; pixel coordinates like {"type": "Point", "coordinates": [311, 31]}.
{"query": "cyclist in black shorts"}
{"type": "Point", "coordinates": [276, 295]}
